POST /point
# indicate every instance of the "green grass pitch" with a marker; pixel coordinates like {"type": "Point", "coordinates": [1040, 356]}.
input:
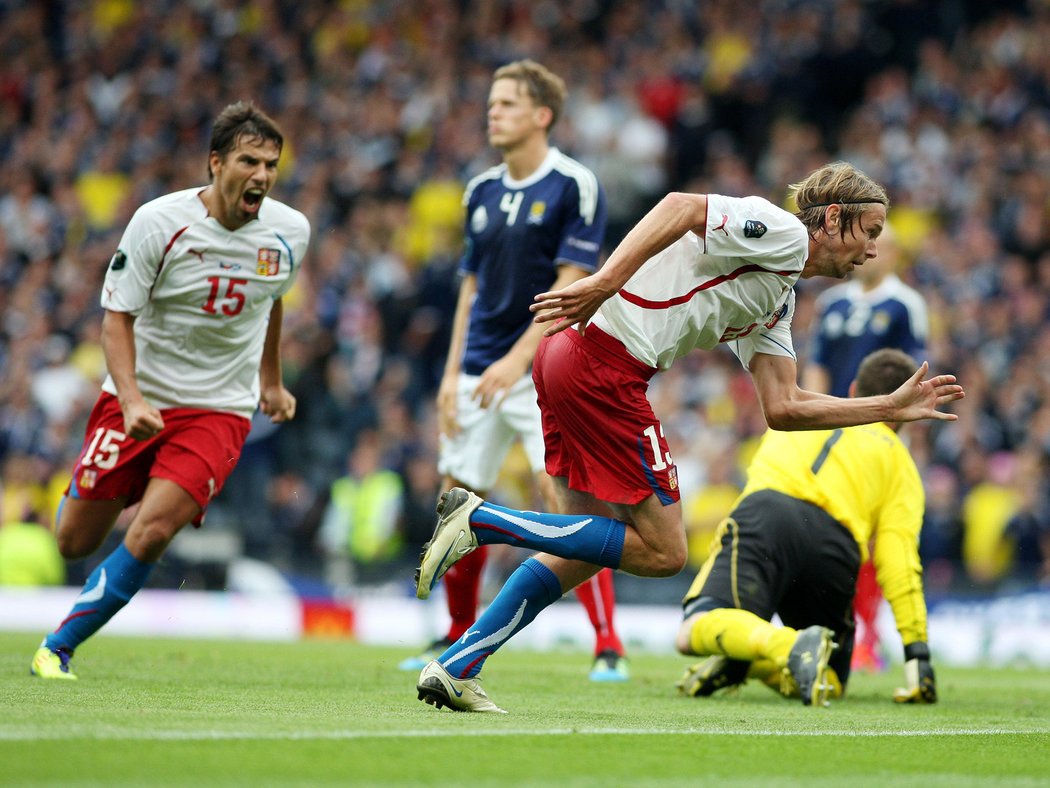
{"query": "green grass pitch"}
{"type": "Point", "coordinates": [204, 713]}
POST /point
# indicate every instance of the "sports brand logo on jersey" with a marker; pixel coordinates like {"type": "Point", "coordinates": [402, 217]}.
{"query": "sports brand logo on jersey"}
{"type": "Point", "coordinates": [536, 211]}
{"type": "Point", "coordinates": [118, 261]}
{"type": "Point", "coordinates": [269, 262]}
{"type": "Point", "coordinates": [754, 229]}
{"type": "Point", "coordinates": [581, 243]}
{"type": "Point", "coordinates": [479, 220]}
{"type": "Point", "coordinates": [722, 226]}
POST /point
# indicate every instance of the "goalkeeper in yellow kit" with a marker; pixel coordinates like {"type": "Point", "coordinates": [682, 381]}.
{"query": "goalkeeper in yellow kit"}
{"type": "Point", "coordinates": [793, 545]}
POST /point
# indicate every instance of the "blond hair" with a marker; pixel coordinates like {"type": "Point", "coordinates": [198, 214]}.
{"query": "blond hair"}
{"type": "Point", "coordinates": [543, 86]}
{"type": "Point", "coordinates": [838, 183]}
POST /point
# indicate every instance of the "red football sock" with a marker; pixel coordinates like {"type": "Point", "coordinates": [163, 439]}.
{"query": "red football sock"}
{"type": "Point", "coordinates": [866, 604]}
{"type": "Point", "coordinates": [462, 589]}
{"type": "Point", "coordinates": [599, 600]}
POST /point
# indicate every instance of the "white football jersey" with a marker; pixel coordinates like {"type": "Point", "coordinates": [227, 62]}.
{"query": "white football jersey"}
{"type": "Point", "coordinates": [202, 296]}
{"type": "Point", "coordinates": [734, 285]}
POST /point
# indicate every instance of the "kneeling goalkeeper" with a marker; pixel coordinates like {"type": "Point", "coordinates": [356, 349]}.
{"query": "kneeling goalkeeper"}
{"type": "Point", "coordinates": [793, 544]}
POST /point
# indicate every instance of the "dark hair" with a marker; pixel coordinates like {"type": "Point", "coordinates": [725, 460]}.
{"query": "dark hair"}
{"type": "Point", "coordinates": [838, 183]}
{"type": "Point", "coordinates": [883, 372]}
{"type": "Point", "coordinates": [543, 86]}
{"type": "Point", "coordinates": [242, 119]}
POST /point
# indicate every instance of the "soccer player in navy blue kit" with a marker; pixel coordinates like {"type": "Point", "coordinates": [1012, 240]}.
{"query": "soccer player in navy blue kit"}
{"type": "Point", "coordinates": [873, 311]}
{"type": "Point", "coordinates": [533, 223]}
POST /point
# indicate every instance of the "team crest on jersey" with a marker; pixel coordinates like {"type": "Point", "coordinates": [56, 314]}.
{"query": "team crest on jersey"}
{"type": "Point", "coordinates": [776, 316]}
{"type": "Point", "coordinates": [479, 220]}
{"type": "Point", "coordinates": [88, 479]}
{"type": "Point", "coordinates": [880, 322]}
{"type": "Point", "coordinates": [536, 212]}
{"type": "Point", "coordinates": [118, 261]}
{"type": "Point", "coordinates": [754, 229]}
{"type": "Point", "coordinates": [672, 478]}
{"type": "Point", "coordinates": [269, 262]}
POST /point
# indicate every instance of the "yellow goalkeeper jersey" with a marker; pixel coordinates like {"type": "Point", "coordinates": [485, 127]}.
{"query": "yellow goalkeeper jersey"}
{"type": "Point", "coordinates": [866, 479]}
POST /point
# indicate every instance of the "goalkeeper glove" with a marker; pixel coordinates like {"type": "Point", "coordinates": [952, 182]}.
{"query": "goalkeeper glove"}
{"type": "Point", "coordinates": [918, 673]}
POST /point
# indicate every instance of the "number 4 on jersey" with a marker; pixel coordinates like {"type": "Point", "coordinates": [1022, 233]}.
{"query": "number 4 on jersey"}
{"type": "Point", "coordinates": [510, 204]}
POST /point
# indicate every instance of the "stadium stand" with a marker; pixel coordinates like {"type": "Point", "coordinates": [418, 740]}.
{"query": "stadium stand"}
{"type": "Point", "coordinates": [382, 104]}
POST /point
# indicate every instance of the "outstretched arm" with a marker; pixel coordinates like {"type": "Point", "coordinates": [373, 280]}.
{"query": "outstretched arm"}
{"type": "Point", "coordinates": [788, 407]}
{"type": "Point", "coordinates": [671, 218]}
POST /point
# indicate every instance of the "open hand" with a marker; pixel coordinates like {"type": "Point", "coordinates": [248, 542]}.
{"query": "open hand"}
{"type": "Point", "coordinates": [572, 305]}
{"type": "Point", "coordinates": [919, 399]}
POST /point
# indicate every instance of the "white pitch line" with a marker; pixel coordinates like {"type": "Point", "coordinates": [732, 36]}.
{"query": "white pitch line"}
{"type": "Point", "coordinates": [221, 735]}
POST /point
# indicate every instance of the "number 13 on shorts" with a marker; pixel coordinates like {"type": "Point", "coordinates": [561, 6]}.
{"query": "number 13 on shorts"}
{"type": "Point", "coordinates": [662, 458]}
{"type": "Point", "coordinates": [660, 473]}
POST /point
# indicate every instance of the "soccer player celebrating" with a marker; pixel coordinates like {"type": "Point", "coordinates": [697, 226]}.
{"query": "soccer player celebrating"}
{"type": "Point", "coordinates": [697, 270]}
{"type": "Point", "coordinates": [534, 223]}
{"type": "Point", "coordinates": [191, 336]}
{"type": "Point", "coordinates": [793, 545]}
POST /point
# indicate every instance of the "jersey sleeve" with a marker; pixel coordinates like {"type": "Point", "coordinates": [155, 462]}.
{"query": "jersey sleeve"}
{"type": "Point", "coordinates": [134, 267]}
{"type": "Point", "coordinates": [752, 228]}
{"type": "Point", "coordinates": [916, 327]}
{"type": "Point", "coordinates": [584, 226]}
{"type": "Point", "coordinates": [297, 245]}
{"type": "Point", "coordinates": [896, 550]}
{"type": "Point", "coordinates": [468, 263]}
{"type": "Point", "coordinates": [772, 338]}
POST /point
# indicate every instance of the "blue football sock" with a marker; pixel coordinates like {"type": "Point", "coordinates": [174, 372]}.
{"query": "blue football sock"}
{"type": "Point", "coordinates": [532, 587]}
{"type": "Point", "coordinates": [106, 591]}
{"type": "Point", "coordinates": [587, 537]}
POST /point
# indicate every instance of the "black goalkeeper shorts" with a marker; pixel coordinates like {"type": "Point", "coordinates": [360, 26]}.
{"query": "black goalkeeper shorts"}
{"type": "Point", "coordinates": [782, 555]}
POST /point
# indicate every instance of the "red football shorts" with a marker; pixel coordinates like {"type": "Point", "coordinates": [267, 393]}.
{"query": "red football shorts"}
{"type": "Point", "coordinates": [598, 426]}
{"type": "Point", "coordinates": [197, 449]}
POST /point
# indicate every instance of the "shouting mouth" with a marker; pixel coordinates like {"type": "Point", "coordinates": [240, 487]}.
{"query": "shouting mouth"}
{"type": "Point", "coordinates": [252, 200]}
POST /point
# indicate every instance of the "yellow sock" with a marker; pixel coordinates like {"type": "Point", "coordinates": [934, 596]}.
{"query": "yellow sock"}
{"type": "Point", "coordinates": [740, 634]}
{"type": "Point", "coordinates": [767, 671]}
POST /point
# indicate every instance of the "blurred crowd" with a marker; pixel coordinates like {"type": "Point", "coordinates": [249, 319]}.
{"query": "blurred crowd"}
{"type": "Point", "coordinates": [105, 104]}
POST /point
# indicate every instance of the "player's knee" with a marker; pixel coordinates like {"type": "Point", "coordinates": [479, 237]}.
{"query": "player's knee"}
{"type": "Point", "coordinates": [671, 561]}
{"type": "Point", "coordinates": [683, 641]}
{"type": "Point", "coordinates": [74, 544]}
{"type": "Point", "coordinates": [148, 539]}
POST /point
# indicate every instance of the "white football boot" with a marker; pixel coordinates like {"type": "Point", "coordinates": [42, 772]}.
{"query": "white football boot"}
{"type": "Point", "coordinates": [452, 538]}
{"type": "Point", "coordinates": [439, 689]}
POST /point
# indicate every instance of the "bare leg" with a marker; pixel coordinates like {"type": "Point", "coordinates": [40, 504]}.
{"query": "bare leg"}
{"type": "Point", "coordinates": [83, 525]}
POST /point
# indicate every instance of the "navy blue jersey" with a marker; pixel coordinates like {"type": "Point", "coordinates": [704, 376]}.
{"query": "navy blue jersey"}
{"type": "Point", "coordinates": [854, 323]}
{"type": "Point", "coordinates": [517, 234]}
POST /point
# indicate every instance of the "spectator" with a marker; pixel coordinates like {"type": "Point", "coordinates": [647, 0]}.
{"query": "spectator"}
{"type": "Point", "coordinates": [361, 530]}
